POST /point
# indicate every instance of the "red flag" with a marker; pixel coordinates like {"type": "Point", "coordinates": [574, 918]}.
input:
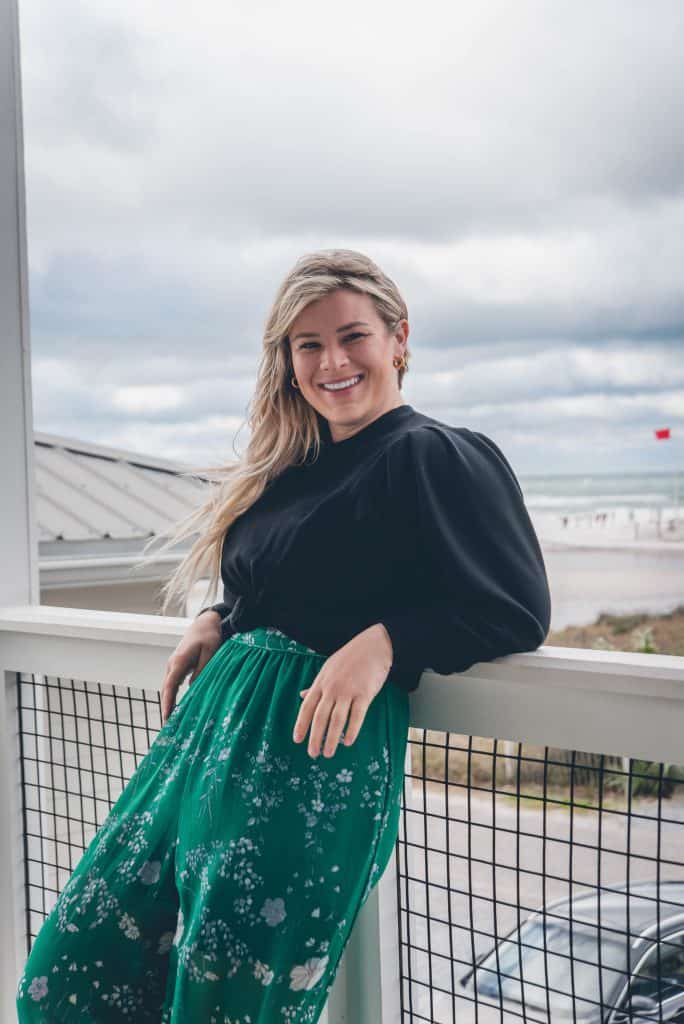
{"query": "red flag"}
{"type": "Point", "coordinates": [660, 434]}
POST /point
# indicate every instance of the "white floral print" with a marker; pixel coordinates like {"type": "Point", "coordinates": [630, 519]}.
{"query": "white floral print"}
{"type": "Point", "coordinates": [38, 988]}
{"type": "Point", "coordinates": [165, 943]}
{"type": "Point", "coordinates": [149, 872]}
{"type": "Point", "coordinates": [263, 972]}
{"type": "Point", "coordinates": [179, 928]}
{"type": "Point", "coordinates": [274, 911]}
{"type": "Point", "coordinates": [308, 974]}
{"type": "Point", "coordinates": [232, 861]}
{"type": "Point", "coordinates": [130, 929]}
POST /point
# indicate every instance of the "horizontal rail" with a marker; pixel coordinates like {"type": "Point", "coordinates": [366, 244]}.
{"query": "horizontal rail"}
{"type": "Point", "coordinates": [619, 702]}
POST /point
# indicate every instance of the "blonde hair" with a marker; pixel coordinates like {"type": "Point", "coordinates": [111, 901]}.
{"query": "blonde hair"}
{"type": "Point", "coordinates": [284, 427]}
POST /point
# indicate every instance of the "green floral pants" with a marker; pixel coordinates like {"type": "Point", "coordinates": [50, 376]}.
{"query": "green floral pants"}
{"type": "Point", "coordinates": [224, 884]}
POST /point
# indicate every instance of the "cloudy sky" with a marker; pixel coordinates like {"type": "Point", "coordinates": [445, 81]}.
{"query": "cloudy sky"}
{"type": "Point", "coordinates": [518, 169]}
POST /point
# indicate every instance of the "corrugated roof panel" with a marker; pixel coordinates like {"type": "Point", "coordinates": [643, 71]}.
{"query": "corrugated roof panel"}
{"type": "Point", "coordinates": [95, 516]}
{"type": "Point", "coordinates": [175, 495]}
{"type": "Point", "coordinates": [132, 496]}
{"type": "Point", "coordinates": [55, 520]}
{"type": "Point", "coordinates": [97, 492]}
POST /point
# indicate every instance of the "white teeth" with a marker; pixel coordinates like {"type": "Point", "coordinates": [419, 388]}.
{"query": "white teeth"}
{"type": "Point", "coordinates": [342, 384]}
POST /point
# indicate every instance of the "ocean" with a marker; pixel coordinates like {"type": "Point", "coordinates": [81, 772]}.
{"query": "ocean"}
{"type": "Point", "coordinates": [612, 542]}
{"type": "Point", "coordinates": [568, 493]}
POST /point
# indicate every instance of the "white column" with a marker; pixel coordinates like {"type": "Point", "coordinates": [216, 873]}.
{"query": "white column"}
{"type": "Point", "coordinates": [19, 583]}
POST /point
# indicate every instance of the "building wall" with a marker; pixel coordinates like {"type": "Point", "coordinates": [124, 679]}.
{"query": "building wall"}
{"type": "Point", "coordinates": [114, 597]}
{"type": "Point", "coordinates": [139, 596]}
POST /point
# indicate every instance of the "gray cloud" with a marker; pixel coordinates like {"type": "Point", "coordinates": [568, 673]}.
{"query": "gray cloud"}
{"type": "Point", "coordinates": [517, 169]}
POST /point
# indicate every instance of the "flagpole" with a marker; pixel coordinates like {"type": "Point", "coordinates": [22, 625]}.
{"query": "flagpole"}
{"type": "Point", "coordinates": [663, 434]}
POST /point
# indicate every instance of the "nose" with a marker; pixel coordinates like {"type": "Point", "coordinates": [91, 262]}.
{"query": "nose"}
{"type": "Point", "coordinates": [333, 357]}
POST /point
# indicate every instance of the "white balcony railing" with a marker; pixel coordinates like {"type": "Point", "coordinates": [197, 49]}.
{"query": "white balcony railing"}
{"type": "Point", "coordinates": [630, 705]}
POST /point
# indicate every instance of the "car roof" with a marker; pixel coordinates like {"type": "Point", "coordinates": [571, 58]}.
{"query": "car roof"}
{"type": "Point", "coordinates": [642, 901]}
{"type": "Point", "coordinates": [648, 903]}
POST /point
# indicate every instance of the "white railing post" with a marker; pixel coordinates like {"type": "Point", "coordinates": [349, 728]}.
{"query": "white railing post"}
{"type": "Point", "coordinates": [367, 986]}
{"type": "Point", "coordinates": [13, 932]}
{"type": "Point", "coordinates": [19, 582]}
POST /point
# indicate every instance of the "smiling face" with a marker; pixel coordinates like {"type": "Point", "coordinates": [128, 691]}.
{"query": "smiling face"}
{"type": "Point", "coordinates": [345, 339]}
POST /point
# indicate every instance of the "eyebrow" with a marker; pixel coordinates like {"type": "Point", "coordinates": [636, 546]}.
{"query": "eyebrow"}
{"type": "Point", "coordinates": [344, 327]}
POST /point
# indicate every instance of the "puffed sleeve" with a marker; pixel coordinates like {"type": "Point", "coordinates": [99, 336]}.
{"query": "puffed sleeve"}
{"type": "Point", "coordinates": [482, 590]}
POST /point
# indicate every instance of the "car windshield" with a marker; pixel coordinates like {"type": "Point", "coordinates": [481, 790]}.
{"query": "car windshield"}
{"type": "Point", "coordinates": [661, 975]}
{"type": "Point", "coordinates": [572, 983]}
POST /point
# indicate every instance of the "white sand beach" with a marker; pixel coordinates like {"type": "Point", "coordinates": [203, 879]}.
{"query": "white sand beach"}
{"type": "Point", "coordinates": [623, 528]}
{"type": "Point", "coordinates": [621, 563]}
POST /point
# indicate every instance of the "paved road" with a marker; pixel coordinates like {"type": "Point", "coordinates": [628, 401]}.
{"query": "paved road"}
{"type": "Point", "coordinates": [530, 870]}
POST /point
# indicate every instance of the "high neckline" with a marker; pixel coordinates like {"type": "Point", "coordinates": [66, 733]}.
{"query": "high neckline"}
{"type": "Point", "coordinates": [376, 428]}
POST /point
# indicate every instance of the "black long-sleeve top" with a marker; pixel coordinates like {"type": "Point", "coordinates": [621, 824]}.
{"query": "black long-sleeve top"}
{"type": "Point", "coordinates": [409, 522]}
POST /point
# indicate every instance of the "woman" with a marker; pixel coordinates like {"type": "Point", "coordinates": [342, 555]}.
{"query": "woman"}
{"type": "Point", "coordinates": [359, 541]}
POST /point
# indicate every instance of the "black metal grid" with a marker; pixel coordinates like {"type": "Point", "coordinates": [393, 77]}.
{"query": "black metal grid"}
{"type": "Point", "coordinates": [490, 833]}
{"type": "Point", "coordinates": [494, 833]}
{"type": "Point", "coordinates": [80, 743]}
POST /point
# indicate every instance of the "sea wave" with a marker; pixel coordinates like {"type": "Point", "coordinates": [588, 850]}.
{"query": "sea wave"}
{"type": "Point", "coordinates": [555, 501]}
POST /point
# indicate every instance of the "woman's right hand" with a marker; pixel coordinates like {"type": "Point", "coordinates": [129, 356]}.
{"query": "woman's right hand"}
{"type": "Point", "coordinates": [200, 642]}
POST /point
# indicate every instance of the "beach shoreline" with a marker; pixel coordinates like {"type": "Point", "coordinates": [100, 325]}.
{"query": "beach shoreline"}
{"type": "Point", "coordinates": [621, 529]}
{"type": "Point", "coordinates": [586, 581]}
{"type": "Point", "coordinates": [662, 547]}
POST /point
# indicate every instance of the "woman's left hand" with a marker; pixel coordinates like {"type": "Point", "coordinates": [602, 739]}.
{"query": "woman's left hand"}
{"type": "Point", "coordinates": [345, 686]}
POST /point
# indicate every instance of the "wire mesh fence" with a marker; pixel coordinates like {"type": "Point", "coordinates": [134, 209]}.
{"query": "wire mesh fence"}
{"type": "Point", "coordinates": [80, 742]}
{"type": "Point", "coordinates": [537, 884]}
{"type": "Point", "coordinates": [533, 884]}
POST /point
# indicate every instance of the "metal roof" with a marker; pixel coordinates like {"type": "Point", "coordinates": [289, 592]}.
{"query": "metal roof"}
{"type": "Point", "coordinates": [97, 505]}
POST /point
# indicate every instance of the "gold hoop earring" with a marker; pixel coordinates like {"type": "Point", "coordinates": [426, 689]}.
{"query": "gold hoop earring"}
{"type": "Point", "coordinates": [294, 382]}
{"type": "Point", "coordinates": [399, 362]}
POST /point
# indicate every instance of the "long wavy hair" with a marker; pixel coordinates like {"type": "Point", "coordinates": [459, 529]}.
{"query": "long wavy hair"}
{"type": "Point", "coordinates": [284, 427]}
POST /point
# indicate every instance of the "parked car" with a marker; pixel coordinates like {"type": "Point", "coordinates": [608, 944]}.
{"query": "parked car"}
{"type": "Point", "coordinates": [641, 972]}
